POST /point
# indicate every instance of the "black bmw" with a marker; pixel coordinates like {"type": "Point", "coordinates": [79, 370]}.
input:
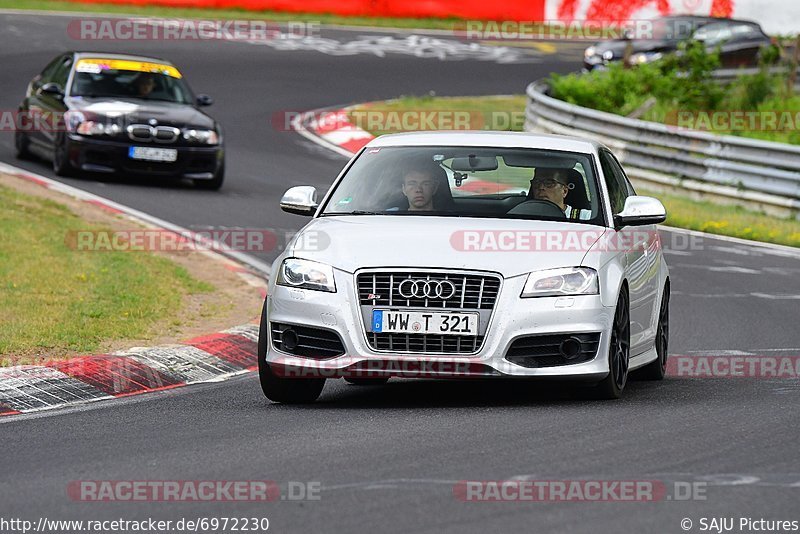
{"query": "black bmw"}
{"type": "Point", "coordinates": [113, 113]}
{"type": "Point", "coordinates": [740, 42]}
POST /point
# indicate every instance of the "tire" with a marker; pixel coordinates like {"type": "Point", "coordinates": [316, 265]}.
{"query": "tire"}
{"type": "Point", "coordinates": [61, 164]}
{"type": "Point", "coordinates": [215, 183]}
{"type": "Point", "coordinates": [22, 146]}
{"type": "Point", "coordinates": [366, 381]}
{"type": "Point", "coordinates": [280, 389]}
{"type": "Point", "coordinates": [657, 369]}
{"type": "Point", "coordinates": [619, 352]}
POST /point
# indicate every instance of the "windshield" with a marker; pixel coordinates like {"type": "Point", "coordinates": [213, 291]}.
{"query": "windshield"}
{"type": "Point", "coordinates": [715, 34]}
{"type": "Point", "coordinates": [94, 78]}
{"type": "Point", "coordinates": [504, 183]}
{"type": "Point", "coordinates": [674, 29]}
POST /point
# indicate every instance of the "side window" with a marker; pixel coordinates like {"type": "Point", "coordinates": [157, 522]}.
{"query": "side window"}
{"type": "Point", "coordinates": [619, 170]}
{"type": "Point", "coordinates": [47, 74]}
{"type": "Point", "coordinates": [615, 182]}
{"type": "Point", "coordinates": [62, 72]}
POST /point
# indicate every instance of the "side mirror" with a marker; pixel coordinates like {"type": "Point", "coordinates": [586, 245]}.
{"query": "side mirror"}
{"type": "Point", "coordinates": [300, 200]}
{"type": "Point", "coordinates": [639, 211]}
{"type": "Point", "coordinates": [52, 89]}
{"type": "Point", "coordinates": [204, 100]}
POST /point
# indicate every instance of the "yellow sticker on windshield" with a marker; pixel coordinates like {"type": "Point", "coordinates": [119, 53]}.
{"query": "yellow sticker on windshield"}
{"type": "Point", "coordinates": [98, 65]}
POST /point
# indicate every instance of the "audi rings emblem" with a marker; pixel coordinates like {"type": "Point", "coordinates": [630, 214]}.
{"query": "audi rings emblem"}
{"type": "Point", "coordinates": [427, 289]}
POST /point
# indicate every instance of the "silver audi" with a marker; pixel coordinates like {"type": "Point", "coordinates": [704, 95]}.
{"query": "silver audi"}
{"type": "Point", "coordinates": [469, 255]}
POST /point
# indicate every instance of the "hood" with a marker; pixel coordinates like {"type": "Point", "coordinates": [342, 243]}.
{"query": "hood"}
{"type": "Point", "coordinates": [509, 247]}
{"type": "Point", "coordinates": [138, 111]}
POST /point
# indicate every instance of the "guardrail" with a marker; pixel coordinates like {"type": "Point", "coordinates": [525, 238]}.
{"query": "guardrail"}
{"type": "Point", "coordinates": [729, 75]}
{"type": "Point", "coordinates": [759, 172]}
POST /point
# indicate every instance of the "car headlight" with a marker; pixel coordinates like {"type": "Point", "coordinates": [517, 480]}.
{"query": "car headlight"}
{"type": "Point", "coordinates": [590, 52]}
{"type": "Point", "coordinates": [204, 137]}
{"type": "Point", "coordinates": [645, 57]}
{"type": "Point", "coordinates": [305, 274]}
{"type": "Point", "coordinates": [97, 128]}
{"type": "Point", "coordinates": [560, 282]}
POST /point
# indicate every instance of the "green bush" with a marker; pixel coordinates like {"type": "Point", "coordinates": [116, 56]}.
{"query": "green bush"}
{"type": "Point", "coordinates": [682, 82]}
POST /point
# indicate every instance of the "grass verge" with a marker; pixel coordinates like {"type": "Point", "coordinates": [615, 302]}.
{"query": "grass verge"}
{"type": "Point", "coordinates": [734, 221]}
{"type": "Point", "coordinates": [505, 113]}
{"type": "Point", "coordinates": [57, 301]}
{"type": "Point", "coordinates": [682, 211]}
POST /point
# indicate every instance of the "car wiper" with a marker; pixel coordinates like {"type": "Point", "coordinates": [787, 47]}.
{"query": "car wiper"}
{"type": "Point", "coordinates": [157, 99]}
{"type": "Point", "coordinates": [360, 212]}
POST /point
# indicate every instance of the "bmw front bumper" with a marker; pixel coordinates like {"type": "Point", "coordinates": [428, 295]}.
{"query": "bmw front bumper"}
{"type": "Point", "coordinates": [111, 156]}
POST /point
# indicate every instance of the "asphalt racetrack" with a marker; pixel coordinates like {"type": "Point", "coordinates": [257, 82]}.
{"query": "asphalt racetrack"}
{"type": "Point", "coordinates": [388, 459]}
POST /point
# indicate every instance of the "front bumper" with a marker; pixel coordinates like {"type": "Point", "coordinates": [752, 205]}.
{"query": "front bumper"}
{"type": "Point", "coordinates": [102, 155]}
{"type": "Point", "coordinates": [512, 318]}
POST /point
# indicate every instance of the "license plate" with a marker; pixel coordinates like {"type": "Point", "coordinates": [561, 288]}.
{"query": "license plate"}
{"type": "Point", "coordinates": [153, 154]}
{"type": "Point", "coordinates": [416, 322]}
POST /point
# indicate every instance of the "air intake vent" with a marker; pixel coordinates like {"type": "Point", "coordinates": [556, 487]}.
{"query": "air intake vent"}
{"type": "Point", "coordinates": [553, 350]}
{"type": "Point", "coordinates": [315, 343]}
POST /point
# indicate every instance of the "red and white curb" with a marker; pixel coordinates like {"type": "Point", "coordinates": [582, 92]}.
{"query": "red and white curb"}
{"type": "Point", "coordinates": [332, 129]}
{"type": "Point", "coordinates": [33, 388]}
{"type": "Point", "coordinates": [82, 379]}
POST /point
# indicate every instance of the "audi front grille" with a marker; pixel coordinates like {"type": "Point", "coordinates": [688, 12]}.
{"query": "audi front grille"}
{"type": "Point", "coordinates": [425, 343]}
{"type": "Point", "coordinates": [472, 291]}
{"type": "Point", "coordinates": [434, 290]}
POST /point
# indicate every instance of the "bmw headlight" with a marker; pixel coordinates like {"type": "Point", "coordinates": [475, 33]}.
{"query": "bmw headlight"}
{"type": "Point", "coordinates": [590, 52]}
{"type": "Point", "coordinates": [97, 128]}
{"type": "Point", "coordinates": [305, 274]}
{"type": "Point", "coordinates": [560, 282]}
{"type": "Point", "coordinates": [203, 137]}
{"type": "Point", "coordinates": [645, 57]}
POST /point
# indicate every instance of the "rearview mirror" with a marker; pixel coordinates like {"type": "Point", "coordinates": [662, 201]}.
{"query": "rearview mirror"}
{"type": "Point", "coordinates": [52, 89]}
{"type": "Point", "coordinates": [474, 163]}
{"type": "Point", "coordinates": [300, 200]}
{"type": "Point", "coordinates": [639, 211]}
{"type": "Point", "coordinates": [204, 100]}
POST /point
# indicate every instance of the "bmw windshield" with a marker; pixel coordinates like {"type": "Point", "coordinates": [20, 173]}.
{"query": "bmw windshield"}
{"type": "Point", "coordinates": [505, 183]}
{"type": "Point", "coordinates": [129, 79]}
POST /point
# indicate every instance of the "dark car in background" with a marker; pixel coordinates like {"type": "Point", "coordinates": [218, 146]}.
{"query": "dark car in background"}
{"type": "Point", "coordinates": [740, 42]}
{"type": "Point", "coordinates": [113, 113]}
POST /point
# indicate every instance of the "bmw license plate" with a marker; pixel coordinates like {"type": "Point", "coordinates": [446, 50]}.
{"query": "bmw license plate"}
{"type": "Point", "coordinates": [416, 322]}
{"type": "Point", "coordinates": [150, 153]}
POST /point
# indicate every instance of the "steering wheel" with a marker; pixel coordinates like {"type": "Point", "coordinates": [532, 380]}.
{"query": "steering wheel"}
{"type": "Point", "coordinates": [538, 208]}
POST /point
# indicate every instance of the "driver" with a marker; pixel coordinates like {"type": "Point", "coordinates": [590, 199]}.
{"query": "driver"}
{"type": "Point", "coordinates": [553, 185]}
{"type": "Point", "coordinates": [419, 186]}
{"type": "Point", "coordinates": [144, 85]}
